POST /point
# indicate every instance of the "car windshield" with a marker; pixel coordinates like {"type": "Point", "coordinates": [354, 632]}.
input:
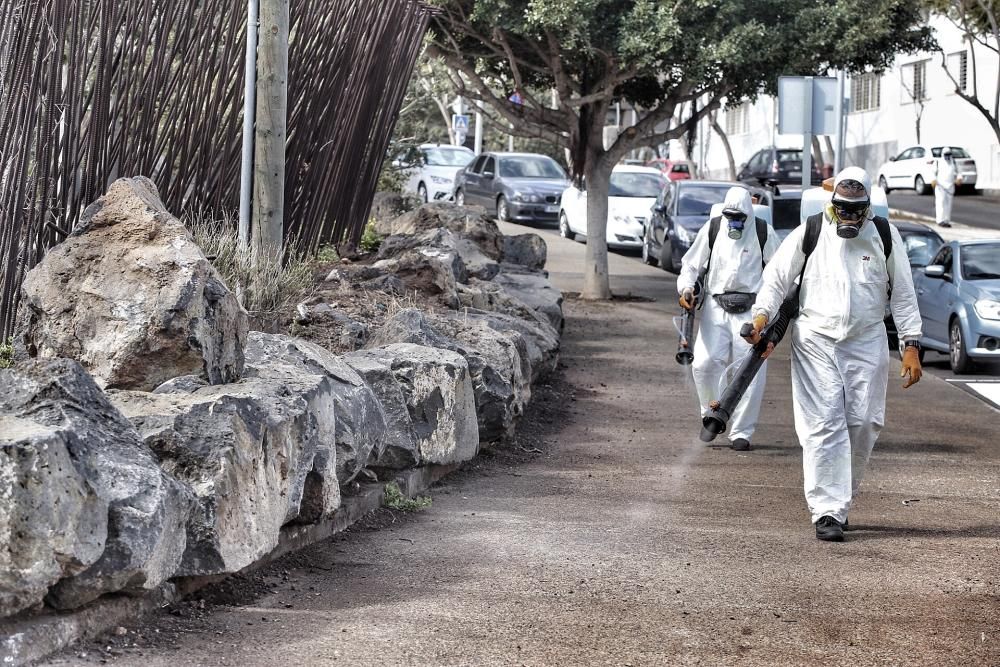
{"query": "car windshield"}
{"type": "Point", "coordinates": [631, 184]}
{"type": "Point", "coordinates": [788, 158]}
{"type": "Point", "coordinates": [956, 152]}
{"type": "Point", "coordinates": [785, 213]}
{"type": "Point", "coordinates": [921, 247]}
{"type": "Point", "coordinates": [981, 261]}
{"type": "Point", "coordinates": [531, 167]}
{"type": "Point", "coordinates": [447, 157]}
{"type": "Point", "coordinates": [698, 199]}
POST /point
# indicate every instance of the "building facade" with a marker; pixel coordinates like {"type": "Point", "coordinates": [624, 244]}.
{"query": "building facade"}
{"type": "Point", "coordinates": [885, 113]}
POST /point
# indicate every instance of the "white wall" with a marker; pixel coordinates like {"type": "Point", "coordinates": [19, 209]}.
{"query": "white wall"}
{"type": "Point", "coordinates": [873, 136]}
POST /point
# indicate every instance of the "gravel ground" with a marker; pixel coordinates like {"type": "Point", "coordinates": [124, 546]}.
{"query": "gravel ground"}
{"type": "Point", "coordinates": [609, 535]}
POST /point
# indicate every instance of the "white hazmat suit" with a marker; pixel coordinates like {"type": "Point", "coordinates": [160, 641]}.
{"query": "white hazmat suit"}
{"type": "Point", "coordinates": [945, 178]}
{"type": "Point", "coordinates": [840, 356]}
{"type": "Point", "coordinates": [736, 266]}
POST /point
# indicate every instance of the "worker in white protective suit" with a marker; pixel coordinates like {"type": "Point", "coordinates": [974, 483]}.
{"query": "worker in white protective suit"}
{"type": "Point", "coordinates": [840, 360]}
{"type": "Point", "coordinates": [946, 179]}
{"type": "Point", "coordinates": [733, 248]}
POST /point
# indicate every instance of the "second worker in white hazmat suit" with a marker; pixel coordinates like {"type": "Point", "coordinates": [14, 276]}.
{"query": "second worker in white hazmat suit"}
{"type": "Point", "coordinates": [946, 179]}
{"type": "Point", "coordinates": [735, 259]}
{"type": "Point", "coordinates": [851, 265]}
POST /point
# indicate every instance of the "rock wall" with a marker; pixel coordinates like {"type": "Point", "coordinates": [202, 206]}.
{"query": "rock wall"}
{"type": "Point", "coordinates": [145, 434]}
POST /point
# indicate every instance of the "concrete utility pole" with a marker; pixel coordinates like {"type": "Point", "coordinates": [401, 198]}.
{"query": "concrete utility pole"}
{"type": "Point", "coordinates": [271, 131]}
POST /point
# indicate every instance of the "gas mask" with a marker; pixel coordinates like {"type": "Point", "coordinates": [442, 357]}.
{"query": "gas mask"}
{"type": "Point", "coordinates": [737, 220]}
{"type": "Point", "coordinates": [848, 212]}
{"type": "Point", "coordinates": [848, 216]}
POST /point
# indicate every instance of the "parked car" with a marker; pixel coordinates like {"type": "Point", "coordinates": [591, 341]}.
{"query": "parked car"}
{"type": "Point", "coordinates": [915, 167]}
{"type": "Point", "coordinates": [959, 298]}
{"type": "Point", "coordinates": [780, 165]}
{"type": "Point", "coordinates": [519, 187]}
{"type": "Point", "coordinates": [631, 197]}
{"type": "Point", "coordinates": [431, 168]}
{"type": "Point", "coordinates": [678, 213]}
{"type": "Point", "coordinates": [922, 243]}
{"type": "Point", "coordinates": [674, 170]}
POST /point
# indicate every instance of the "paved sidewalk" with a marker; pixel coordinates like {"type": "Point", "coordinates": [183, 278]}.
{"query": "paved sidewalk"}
{"type": "Point", "coordinates": [628, 542]}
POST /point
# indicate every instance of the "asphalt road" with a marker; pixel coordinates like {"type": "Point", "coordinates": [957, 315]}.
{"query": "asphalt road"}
{"type": "Point", "coordinates": [626, 541]}
{"type": "Point", "coordinates": [973, 210]}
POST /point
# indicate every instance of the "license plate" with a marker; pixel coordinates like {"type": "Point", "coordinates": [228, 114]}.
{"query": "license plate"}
{"type": "Point", "coordinates": [795, 174]}
{"type": "Point", "coordinates": [551, 209]}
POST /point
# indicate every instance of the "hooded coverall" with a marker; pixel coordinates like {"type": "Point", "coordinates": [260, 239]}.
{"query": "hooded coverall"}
{"type": "Point", "coordinates": [944, 190]}
{"type": "Point", "coordinates": [840, 356]}
{"type": "Point", "coordinates": [736, 266]}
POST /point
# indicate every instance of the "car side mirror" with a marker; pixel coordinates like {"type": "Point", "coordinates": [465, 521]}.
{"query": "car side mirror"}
{"type": "Point", "coordinates": [934, 271]}
{"type": "Point", "coordinates": [892, 159]}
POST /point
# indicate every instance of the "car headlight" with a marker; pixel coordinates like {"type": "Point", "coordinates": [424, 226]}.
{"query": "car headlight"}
{"type": "Point", "coordinates": [988, 309]}
{"type": "Point", "coordinates": [518, 197]}
{"type": "Point", "coordinates": [683, 234]}
{"type": "Point", "coordinates": [440, 180]}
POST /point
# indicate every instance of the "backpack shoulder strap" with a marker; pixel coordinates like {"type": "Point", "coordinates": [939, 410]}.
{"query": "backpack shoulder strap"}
{"type": "Point", "coordinates": [884, 233]}
{"type": "Point", "coordinates": [814, 225]}
{"type": "Point", "coordinates": [713, 232]}
{"type": "Point", "coordinates": [761, 238]}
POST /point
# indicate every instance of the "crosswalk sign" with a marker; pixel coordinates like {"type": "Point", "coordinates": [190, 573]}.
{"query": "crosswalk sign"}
{"type": "Point", "coordinates": [460, 123]}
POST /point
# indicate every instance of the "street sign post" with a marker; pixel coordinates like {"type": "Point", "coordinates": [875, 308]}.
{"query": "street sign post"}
{"type": "Point", "coordinates": [460, 128]}
{"type": "Point", "coordinates": [807, 105]}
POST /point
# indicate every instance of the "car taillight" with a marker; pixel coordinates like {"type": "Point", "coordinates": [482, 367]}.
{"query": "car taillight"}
{"type": "Point", "coordinates": [774, 167]}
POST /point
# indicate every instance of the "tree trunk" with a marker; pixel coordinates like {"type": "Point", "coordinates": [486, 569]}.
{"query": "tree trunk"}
{"type": "Point", "coordinates": [596, 285]}
{"type": "Point", "coordinates": [267, 233]}
{"type": "Point", "coordinates": [829, 149]}
{"type": "Point", "coordinates": [817, 153]}
{"type": "Point", "coordinates": [725, 144]}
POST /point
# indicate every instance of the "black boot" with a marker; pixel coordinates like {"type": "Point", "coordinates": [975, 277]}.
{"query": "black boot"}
{"type": "Point", "coordinates": [829, 529]}
{"type": "Point", "coordinates": [740, 445]}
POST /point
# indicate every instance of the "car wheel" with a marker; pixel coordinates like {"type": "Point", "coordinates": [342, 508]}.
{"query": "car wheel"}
{"type": "Point", "coordinates": [564, 230]}
{"type": "Point", "coordinates": [667, 255]}
{"type": "Point", "coordinates": [422, 192]}
{"type": "Point", "coordinates": [882, 184]}
{"type": "Point", "coordinates": [957, 355]}
{"type": "Point", "coordinates": [460, 198]}
{"type": "Point", "coordinates": [503, 212]}
{"type": "Point", "coordinates": [919, 185]}
{"type": "Point", "coordinates": [646, 257]}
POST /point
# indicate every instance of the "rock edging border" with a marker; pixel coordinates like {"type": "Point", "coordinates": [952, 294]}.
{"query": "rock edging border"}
{"type": "Point", "coordinates": [25, 641]}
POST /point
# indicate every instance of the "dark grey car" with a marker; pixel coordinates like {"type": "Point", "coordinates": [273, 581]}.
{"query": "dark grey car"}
{"type": "Point", "coordinates": [519, 187]}
{"type": "Point", "coordinates": [679, 212]}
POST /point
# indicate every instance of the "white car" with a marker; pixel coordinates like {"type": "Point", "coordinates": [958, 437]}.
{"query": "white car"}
{"type": "Point", "coordinates": [431, 171]}
{"type": "Point", "coordinates": [914, 168]}
{"type": "Point", "coordinates": [631, 197]}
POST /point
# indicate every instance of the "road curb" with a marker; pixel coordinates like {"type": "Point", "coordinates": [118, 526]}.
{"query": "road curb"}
{"type": "Point", "coordinates": [909, 215]}
{"type": "Point", "coordinates": [25, 641]}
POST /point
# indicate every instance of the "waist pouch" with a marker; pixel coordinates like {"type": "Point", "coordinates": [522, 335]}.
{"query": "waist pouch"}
{"type": "Point", "coordinates": [735, 302]}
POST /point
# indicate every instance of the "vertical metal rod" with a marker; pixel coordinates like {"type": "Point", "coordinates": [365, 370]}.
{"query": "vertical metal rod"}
{"type": "Point", "coordinates": [807, 111]}
{"type": "Point", "coordinates": [479, 132]}
{"type": "Point", "coordinates": [838, 156]}
{"type": "Point", "coordinates": [249, 112]}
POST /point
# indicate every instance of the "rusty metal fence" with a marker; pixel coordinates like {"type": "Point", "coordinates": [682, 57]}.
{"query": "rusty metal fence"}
{"type": "Point", "coordinates": [92, 90]}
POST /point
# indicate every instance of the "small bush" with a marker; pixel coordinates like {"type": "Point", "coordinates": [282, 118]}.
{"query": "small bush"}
{"type": "Point", "coordinates": [394, 499]}
{"type": "Point", "coordinates": [265, 286]}
{"type": "Point", "coordinates": [7, 353]}
{"type": "Point", "coordinates": [327, 253]}
{"type": "Point", "coordinates": [370, 239]}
